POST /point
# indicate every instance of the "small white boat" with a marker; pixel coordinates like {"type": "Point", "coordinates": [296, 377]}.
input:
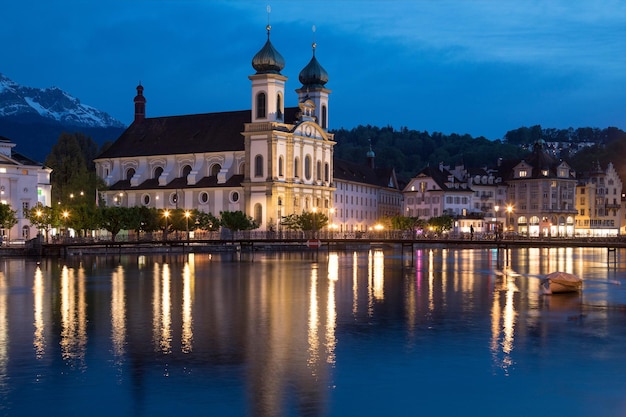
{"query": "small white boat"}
{"type": "Point", "coordinates": [561, 282]}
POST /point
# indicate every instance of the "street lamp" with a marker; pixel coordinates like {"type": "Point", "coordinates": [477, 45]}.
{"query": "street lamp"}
{"type": "Point", "coordinates": [187, 214]}
{"type": "Point", "coordinates": [497, 208]}
{"type": "Point", "coordinates": [509, 210]}
{"type": "Point", "coordinates": [166, 214]}
{"type": "Point", "coordinates": [66, 214]}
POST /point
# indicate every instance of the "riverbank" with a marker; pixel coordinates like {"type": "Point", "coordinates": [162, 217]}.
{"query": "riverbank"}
{"type": "Point", "coordinates": [72, 248]}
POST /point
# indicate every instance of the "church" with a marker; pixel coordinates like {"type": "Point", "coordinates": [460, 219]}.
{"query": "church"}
{"type": "Point", "coordinates": [269, 161]}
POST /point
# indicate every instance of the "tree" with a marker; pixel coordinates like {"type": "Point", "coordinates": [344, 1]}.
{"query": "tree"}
{"type": "Point", "coordinates": [114, 219]}
{"type": "Point", "coordinates": [441, 224]}
{"type": "Point", "coordinates": [237, 220]}
{"type": "Point", "coordinates": [407, 223]}
{"type": "Point", "coordinates": [8, 218]}
{"type": "Point", "coordinates": [206, 221]}
{"type": "Point", "coordinates": [306, 221]}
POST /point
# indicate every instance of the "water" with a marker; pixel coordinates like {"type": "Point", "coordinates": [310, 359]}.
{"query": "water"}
{"type": "Point", "coordinates": [441, 332]}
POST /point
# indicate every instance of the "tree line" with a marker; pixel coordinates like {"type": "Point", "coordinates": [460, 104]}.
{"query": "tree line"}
{"type": "Point", "coordinates": [409, 151]}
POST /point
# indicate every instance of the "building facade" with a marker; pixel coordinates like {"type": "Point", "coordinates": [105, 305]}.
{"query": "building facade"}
{"type": "Point", "coordinates": [269, 161]}
{"type": "Point", "coordinates": [23, 184]}
{"type": "Point", "coordinates": [598, 202]}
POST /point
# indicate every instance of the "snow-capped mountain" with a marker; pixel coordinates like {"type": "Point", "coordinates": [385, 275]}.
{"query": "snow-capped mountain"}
{"type": "Point", "coordinates": [53, 104]}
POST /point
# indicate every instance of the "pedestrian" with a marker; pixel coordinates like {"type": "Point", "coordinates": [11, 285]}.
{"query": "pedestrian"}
{"type": "Point", "coordinates": [471, 232]}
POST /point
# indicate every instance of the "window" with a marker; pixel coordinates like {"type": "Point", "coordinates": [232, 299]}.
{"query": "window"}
{"type": "Point", "coordinates": [203, 197]}
{"type": "Point", "coordinates": [186, 171]}
{"type": "Point", "coordinates": [523, 173]}
{"type": "Point", "coordinates": [307, 167]}
{"type": "Point", "coordinates": [260, 106]}
{"type": "Point", "coordinates": [258, 166]}
{"type": "Point", "coordinates": [145, 199]}
{"type": "Point", "coordinates": [129, 173]}
{"type": "Point", "coordinates": [215, 169]}
{"type": "Point", "coordinates": [157, 173]}
{"type": "Point", "coordinates": [280, 166]}
{"type": "Point", "coordinates": [279, 107]}
{"type": "Point", "coordinates": [174, 199]}
{"type": "Point", "coordinates": [326, 172]}
{"type": "Point", "coordinates": [258, 213]}
{"type": "Point", "coordinates": [296, 168]}
{"type": "Point", "coordinates": [324, 117]}
{"type": "Point", "coordinates": [234, 197]}
{"type": "Point", "coordinates": [318, 168]}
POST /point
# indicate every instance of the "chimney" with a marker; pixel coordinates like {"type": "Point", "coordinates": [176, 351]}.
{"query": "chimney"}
{"type": "Point", "coordinates": [140, 104]}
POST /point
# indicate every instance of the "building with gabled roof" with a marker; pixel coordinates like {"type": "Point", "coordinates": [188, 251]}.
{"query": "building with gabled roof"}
{"type": "Point", "coordinates": [23, 183]}
{"type": "Point", "coordinates": [364, 195]}
{"type": "Point", "coordinates": [269, 161]}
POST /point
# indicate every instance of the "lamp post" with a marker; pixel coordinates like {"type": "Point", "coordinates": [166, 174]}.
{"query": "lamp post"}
{"type": "Point", "coordinates": [509, 210]}
{"type": "Point", "coordinates": [66, 214]}
{"type": "Point", "coordinates": [166, 214]}
{"type": "Point", "coordinates": [497, 208]}
{"type": "Point", "coordinates": [187, 214]}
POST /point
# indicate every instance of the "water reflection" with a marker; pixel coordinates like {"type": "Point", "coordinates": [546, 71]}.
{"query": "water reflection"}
{"type": "Point", "coordinates": [73, 316]}
{"type": "Point", "coordinates": [280, 330]}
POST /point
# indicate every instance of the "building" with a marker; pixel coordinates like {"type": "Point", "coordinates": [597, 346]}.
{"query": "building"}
{"type": "Point", "coordinates": [269, 161]}
{"type": "Point", "coordinates": [598, 203]}
{"type": "Point", "coordinates": [23, 184]}
{"type": "Point", "coordinates": [541, 193]}
{"type": "Point", "coordinates": [364, 195]}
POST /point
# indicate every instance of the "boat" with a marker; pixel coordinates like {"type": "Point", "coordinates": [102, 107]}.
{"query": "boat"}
{"type": "Point", "coordinates": [561, 282]}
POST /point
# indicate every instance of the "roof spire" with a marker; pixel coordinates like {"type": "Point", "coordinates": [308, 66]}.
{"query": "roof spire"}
{"type": "Point", "coordinates": [268, 27]}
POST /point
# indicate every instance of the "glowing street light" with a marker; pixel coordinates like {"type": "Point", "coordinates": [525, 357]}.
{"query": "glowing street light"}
{"type": "Point", "coordinates": [187, 214]}
{"type": "Point", "coordinates": [66, 214]}
{"type": "Point", "coordinates": [166, 214]}
{"type": "Point", "coordinates": [509, 210]}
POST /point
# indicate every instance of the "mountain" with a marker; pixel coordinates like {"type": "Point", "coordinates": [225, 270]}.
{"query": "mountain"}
{"type": "Point", "coordinates": [34, 118]}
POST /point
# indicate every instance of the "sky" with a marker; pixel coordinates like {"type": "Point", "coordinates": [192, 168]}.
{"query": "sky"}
{"type": "Point", "coordinates": [479, 67]}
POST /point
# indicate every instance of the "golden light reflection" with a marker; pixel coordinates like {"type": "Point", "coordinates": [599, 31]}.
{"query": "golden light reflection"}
{"type": "Point", "coordinates": [431, 280]}
{"type": "Point", "coordinates": [118, 312]}
{"type": "Point", "coordinates": [188, 291]}
{"type": "Point", "coordinates": [331, 308]}
{"type": "Point", "coordinates": [166, 312]}
{"type": "Point", "coordinates": [39, 340]}
{"type": "Point", "coordinates": [73, 314]}
{"type": "Point", "coordinates": [355, 283]}
{"type": "Point", "coordinates": [4, 332]}
{"type": "Point", "coordinates": [378, 282]}
{"type": "Point", "coordinates": [312, 335]}
{"type": "Point", "coordinates": [503, 321]}
{"type": "Point", "coordinates": [156, 305]}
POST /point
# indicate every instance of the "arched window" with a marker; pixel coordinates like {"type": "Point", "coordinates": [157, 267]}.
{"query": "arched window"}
{"type": "Point", "coordinates": [129, 173]}
{"type": "Point", "coordinates": [261, 106]}
{"type": "Point", "coordinates": [326, 172]}
{"type": "Point", "coordinates": [157, 173]}
{"type": "Point", "coordinates": [307, 167]}
{"type": "Point", "coordinates": [279, 107]}
{"type": "Point", "coordinates": [280, 166]}
{"type": "Point", "coordinates": [324, 118]}
{"type": "Point", "coordinates": [258, 166]}
{"type": "Point", "coordinates": [296, 167]}
{"type": "Point", "coordinates": [185, 171]}
{"type": "Point", "coordinates": [258, 213]}
{"type": "Point", "coordinates": [215, 169]}
{"type": "Point", "coordinates": [318, 169]}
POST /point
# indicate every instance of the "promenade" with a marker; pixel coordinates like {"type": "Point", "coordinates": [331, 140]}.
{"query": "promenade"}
{"type": "Point", "coordinates": [251, 241]}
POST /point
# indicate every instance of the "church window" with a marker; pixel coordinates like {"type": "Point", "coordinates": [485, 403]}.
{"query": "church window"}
{"type": "Point", "coordinates": [296, 167]}
{"type": "Point", "coordinates": [258, 213]}
{"type": "Point", "coordinates": [307, 167]}
{"type": "Point", "coordinates": [203, 197]}
{"type": "Point", "coordinates": [186, 171]}
{"type": "Point", "coordinates": [129, 173]}
{"type": "Point", "coordinates": [234, 197]}
{"type": "Point", "coordinates": [215, 169]}
{"type": "Point", "coordinates": [145, 199]}
{"type": "Point", "coordinates": [157, 173]}
{"type": "Point", "coordinates": [324, 118]}
{"type": "Point", "coordinates": [261, 106]}
{"type": "Point", "coordinates": [280, 166]}
{"type": "Point", "coordinates": [279, 107]}
{"type": "Point", "coordinates": [258, 166]}
{"type": "Point", "coordinates": [318, 168]}
{"type": "Point", "coordinates": [326, 172]}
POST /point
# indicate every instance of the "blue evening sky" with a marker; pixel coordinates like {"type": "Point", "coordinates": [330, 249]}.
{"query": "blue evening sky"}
{"type": "Point", "coordinates": [452, 66]}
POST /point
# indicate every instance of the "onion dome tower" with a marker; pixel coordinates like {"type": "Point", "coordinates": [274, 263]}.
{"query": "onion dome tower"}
{"type": "Point", "coordinates": [140, 104]}
{"type": "Point", "coordinates": [314, 78]}
{"type": "Point", "coordinates": [268, 84]}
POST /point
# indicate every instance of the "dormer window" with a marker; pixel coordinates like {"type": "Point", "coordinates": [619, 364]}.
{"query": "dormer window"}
{"type": "Point", "coordinates": [544, 172]}
{"type": "Point", "coordinates": [523, 173]}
